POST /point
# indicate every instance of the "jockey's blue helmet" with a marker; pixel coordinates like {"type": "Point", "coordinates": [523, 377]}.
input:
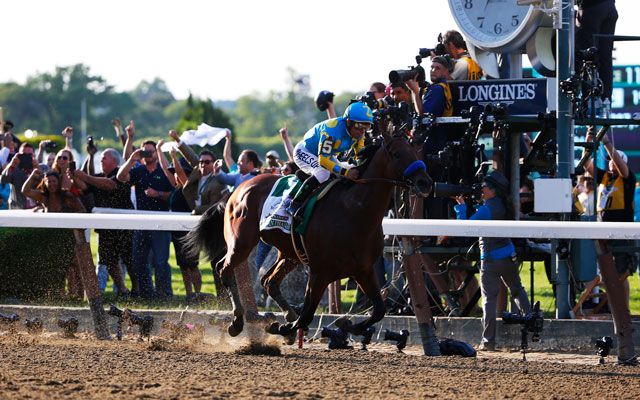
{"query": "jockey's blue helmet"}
{"type": "Point", "coordinates": [359, 112]}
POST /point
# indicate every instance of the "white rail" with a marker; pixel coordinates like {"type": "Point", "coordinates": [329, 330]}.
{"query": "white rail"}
{"type": "Point", "coordinates": [402, 227]}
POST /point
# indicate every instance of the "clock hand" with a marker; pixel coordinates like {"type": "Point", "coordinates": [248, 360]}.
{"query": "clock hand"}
{"type": "Point", "coordinates": [487, 5]}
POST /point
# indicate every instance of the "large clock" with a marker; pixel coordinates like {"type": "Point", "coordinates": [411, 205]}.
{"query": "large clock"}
{"type": "Point", "coordinates": [498, 26]}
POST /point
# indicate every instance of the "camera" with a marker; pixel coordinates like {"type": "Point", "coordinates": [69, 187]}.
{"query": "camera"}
{"type": "Point", "coordinates": [26, 161]}
{"type": "Point", "coordinates": [51, 145]}
{"type": "Point", "coordinates": [323, 99]}
{"type": "Point", "coordinates": [587, 56]}
{"type": "Point", "coordinates": [337, 338]}
{"type": "Point", "coordinates": [90, 143]}
{"type": "Point", "coordinates": [499, 111]}
{"type": "Point", "coordinates": [402, 75]}
{"type": "Point", "coordinates": [370, 100]}
{"type": "Point", "coordinates": [146, 153]}
{"type": "Point", "coordinates": [603, 346]}
{"type": "Point", "coordinates": [70, 326]}
{"type": "Point", "coordinates": [532, 322]}
{"type": "Point", "coordinates": [399, 115]}
{"type": "Point", "coordinates": [446, 190]}
{"type": "Point", "coordinates": [34, 325]}
{"type": "Point", "coordinates": [127, 316]}
{"type": "Point", "coordinates": [9, 319]}
{"type": "Point", "coordinates": [399, 338]}
{"type": "Point", "coordinates": [72, 166]}
{"type": "Point", "coordinates": [439, 50]}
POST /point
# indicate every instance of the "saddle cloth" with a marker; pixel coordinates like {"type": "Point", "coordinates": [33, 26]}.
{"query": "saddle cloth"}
{"type": "Point", "coordinates": [273, 214]}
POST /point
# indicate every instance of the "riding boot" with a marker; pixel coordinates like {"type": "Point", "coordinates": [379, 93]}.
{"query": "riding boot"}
{"type": "Point", "coordinates": [303, 194]}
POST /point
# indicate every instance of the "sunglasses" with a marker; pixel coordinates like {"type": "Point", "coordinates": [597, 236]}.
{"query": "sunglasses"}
{"type": "Point", "coordinates": [64, 158]}
{"type": "Point", "coordinates": [206, 162]}
{"type": "Point", "coordinates": [362, 126]}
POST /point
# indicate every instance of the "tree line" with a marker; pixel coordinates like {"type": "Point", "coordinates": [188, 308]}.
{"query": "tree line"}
{"type": "Point", "coordinates": [49, 101]}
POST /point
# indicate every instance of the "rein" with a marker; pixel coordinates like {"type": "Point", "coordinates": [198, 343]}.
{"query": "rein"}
{"type": "Point", "coordinates": [395, 182]}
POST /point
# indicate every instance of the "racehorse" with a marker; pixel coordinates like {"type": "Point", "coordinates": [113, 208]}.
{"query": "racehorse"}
{"type": "Point", "coordinates": [343, 238]}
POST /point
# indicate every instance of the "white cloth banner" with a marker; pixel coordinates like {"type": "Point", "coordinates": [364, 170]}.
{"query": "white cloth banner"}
{"type": "Point", "coordinates": [203, 136]}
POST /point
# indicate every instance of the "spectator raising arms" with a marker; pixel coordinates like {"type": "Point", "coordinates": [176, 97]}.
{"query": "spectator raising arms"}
{"type": "Point", "coordinates": [152, 189]}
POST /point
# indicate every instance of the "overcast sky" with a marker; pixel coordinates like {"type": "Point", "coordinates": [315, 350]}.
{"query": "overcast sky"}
{"type": "Point", "coordinates": [226, 49]}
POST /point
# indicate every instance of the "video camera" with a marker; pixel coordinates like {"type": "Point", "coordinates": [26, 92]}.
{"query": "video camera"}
{"type": "Point", "coordinates": [127, 316]}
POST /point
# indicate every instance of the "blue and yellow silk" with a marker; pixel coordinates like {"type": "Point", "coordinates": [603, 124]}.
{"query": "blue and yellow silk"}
{"type": "Point", "coordinates": [329, 138]}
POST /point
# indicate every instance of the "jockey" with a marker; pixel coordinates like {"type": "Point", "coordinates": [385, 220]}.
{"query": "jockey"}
{"type": "Point", "coordinates": [316, 153]}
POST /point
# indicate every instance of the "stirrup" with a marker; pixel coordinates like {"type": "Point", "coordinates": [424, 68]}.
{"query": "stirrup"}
{"type": "Point", "coordinates": [293, 208]}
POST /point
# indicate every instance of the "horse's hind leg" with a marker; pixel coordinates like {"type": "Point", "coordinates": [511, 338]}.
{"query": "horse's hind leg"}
{"type": "Point", "coordinates": [237, 252]}
{"type": "Point", "coordinates": [271, 282]}
{"type": "Point", "coordinates": [368, 282]}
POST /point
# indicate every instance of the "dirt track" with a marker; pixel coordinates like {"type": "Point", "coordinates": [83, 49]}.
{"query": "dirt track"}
{"type": "Point", "coordinates": [49, 366]}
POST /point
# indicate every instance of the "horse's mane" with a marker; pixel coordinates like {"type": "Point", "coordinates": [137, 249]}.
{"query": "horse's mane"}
{"type": "Point", "coordinates": [366, 155]}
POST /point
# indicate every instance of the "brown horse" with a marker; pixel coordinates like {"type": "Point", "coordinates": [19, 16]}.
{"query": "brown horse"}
{"type": "Point", "coordinates": [343, 238]}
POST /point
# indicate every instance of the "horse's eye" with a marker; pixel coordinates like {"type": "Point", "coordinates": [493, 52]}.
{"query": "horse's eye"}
{"type": "Point", "coordinates": [396, 155]}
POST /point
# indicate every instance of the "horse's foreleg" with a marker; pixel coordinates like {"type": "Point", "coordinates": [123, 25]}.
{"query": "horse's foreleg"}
{"type": "Point", "coordinates": [271, 282]}
{"type": "Point", "coordinates": [315, 289]}
{"type": "Point", "coordinates": [368, 282]}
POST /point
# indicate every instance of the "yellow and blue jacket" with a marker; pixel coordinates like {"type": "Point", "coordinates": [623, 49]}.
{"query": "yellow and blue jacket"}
{"type": "Point", "coordinates": [329, 138]}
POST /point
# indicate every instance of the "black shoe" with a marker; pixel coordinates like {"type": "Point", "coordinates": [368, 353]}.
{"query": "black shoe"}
{"type": "Point", "coordinates": [293, 208]}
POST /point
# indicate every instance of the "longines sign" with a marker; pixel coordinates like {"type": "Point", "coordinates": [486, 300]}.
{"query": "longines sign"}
{"type": "Point", "coordinates": [522, 96]}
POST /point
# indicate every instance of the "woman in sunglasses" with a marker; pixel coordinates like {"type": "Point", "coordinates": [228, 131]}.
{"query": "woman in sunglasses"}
{"type": "Point", "coordinates": [316, 153]}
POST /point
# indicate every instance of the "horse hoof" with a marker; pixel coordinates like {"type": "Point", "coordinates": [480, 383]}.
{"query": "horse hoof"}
{"type": "Point", "coordinates": [235, 329]}
{"type": "Point", "coordinates": [290, 316]}
{"type": "Point", "coordinates": [273, 328]}
{"type": "Point", "coordinates": [290, 339]}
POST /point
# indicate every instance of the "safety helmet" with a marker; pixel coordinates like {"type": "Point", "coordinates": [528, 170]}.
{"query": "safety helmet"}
{"type": "Point", "coordinates": [359, 112]}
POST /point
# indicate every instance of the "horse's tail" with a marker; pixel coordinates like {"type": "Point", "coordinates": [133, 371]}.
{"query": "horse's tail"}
{"type": "Point", "coordinates": [208, 234]}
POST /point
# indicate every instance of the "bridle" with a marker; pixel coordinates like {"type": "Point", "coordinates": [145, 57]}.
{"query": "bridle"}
{"type": "Point", "coordinates": [407, 172]}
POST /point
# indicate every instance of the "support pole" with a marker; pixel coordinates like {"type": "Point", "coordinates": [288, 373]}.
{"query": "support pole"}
{"type": "Point", "coordinates": [90, 283]}
{"type": "Point", "coordinates": [415, 279]}
{"type": "Point", "coordinates": [564, 68]}
{"type": "Point", "coordinates": [334, 297]}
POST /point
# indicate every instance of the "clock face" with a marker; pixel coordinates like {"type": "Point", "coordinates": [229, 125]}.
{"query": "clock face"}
{"type": "Point", "coordinates": [492, 24]}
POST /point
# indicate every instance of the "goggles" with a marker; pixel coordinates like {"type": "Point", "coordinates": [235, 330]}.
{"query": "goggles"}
{"type": "Point", "coordinates": [362, 126]}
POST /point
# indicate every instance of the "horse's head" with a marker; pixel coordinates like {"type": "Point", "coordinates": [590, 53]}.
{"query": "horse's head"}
{"type": "Point", "coordinates": [404, 164]}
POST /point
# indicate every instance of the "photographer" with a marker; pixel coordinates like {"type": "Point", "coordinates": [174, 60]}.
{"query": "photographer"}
{"type": "Point", "coordinates": [16, 172]}
{"type": "Point", "coordinates": [465, 67]}
{"type": "Point", "coordinates": [437, 98]}
{"type": "Point", "coordinates": [615, 199]}
{"type": "Point", "coordinates": [497, 255]}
